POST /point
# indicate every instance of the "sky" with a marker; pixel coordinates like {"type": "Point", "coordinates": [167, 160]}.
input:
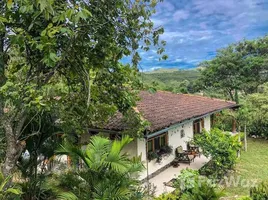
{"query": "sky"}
{"type": "Point", "coordinates": [195, 29]}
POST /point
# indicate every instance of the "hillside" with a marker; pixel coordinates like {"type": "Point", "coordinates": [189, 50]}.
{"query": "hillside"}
{"type": "Point", "coordinates": [171, 79]}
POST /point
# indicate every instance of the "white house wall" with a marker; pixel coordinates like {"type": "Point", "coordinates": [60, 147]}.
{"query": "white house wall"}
{"type": "Point", "coordinates": [174, 135]}
{"type": "Point", "coordinates": [174, 140]}
{"type": "Point", "coordinates": [207, 122]}
{"type": "Point", "coordinates": [131, 149]}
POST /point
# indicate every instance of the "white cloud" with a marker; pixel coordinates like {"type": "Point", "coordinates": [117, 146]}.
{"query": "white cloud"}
{"type": "Point", "coordinates": [178, 60]}
{"type": "Point", "coordinates": [180, 15]}
{"type": "Point", "coordinates": [151, 69]}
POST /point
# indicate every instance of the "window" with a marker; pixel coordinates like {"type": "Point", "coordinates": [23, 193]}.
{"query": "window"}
{"type": "Point", "coordinates": [198, 125]}
{"type": "Point", "coordinates": [156, 143]}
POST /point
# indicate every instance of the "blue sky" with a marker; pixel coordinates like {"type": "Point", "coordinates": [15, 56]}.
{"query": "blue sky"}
{"type": "Point", "coordinates": [195, 29]}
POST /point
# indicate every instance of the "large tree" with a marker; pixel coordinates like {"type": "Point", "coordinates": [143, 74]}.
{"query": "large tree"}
{"type": "Point", "coordinates": [240, 67]}
{"type": "Point", "coordinates": [62, 57]}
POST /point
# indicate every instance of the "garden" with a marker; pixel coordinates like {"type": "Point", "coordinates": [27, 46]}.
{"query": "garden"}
{"type": "Point", "coordinates": [62, 73]}
{"type": "Point", "coordinates": [226, 176]}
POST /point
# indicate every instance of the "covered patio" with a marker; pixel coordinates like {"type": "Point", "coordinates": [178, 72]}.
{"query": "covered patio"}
{"type": "Point", "coordinates": [172, 172]}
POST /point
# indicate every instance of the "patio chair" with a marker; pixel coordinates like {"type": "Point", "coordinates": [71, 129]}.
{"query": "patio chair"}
{"type": "Point", "coordinates": [194, 149]}
{"type": "Point", "coordinates": [183, 156]}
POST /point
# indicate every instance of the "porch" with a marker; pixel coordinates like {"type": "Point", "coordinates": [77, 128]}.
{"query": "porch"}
{"type": "Point", "coordinates": [171, 172]}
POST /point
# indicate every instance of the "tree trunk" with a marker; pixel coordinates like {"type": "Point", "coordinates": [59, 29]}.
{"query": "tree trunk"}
{"type": "Point", "coordinates": [13, 149]}
{"type": "Point", "coordinates": [13, 146]}
{"type": "Point", "coordinates": [231, 95]}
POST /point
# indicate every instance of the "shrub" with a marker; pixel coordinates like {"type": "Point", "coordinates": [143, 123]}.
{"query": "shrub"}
{"type": "Point", "coordinates": [203, 191]}
{"type": "Point", "coordinates": [169, 196]}
{"type": "Point", "coordinates": [221, 147]}
{"type": "Point", "coordinates": [260, 192]}
{"type": "Point", "coordinates": [152, 155]}
{"type": "Point", "coordinates": [195, 187]}
{"type": "Point", "coordinates": [187, 180]}
{"type": "Point", "coordinates": [7, 190]}
{"type": "Point", "coordinates": [164, 151]}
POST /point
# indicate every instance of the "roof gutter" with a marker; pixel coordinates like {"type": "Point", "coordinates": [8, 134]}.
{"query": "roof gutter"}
{"type": "Point", "coordinates": [154, 134]}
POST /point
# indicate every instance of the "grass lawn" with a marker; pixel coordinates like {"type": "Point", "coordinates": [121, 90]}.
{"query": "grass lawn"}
{"type": "Point", "coordinates": [251, 166]}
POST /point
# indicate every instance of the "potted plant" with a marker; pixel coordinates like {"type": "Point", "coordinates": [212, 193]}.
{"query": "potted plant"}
{"type": "Point", "coordinates": [152, 155]}
{"type": "Point", "coordinates": [166, 150]}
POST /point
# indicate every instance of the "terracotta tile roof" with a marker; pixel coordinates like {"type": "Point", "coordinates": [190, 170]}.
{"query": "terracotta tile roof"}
{"type": "Point", "coordinates": [163, 109]}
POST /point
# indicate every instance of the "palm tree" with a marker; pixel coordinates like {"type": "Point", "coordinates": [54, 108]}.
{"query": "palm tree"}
{"type": "Point", "coordinates": [107, 174]}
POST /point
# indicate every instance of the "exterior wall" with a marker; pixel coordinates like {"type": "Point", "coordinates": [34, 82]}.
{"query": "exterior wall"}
{"type": "Point", "coordinates": [131, 149]}
{"type": "Point", "coordinates": [207, 123]}
{"type": "Point", "coordinates": [175, 140]}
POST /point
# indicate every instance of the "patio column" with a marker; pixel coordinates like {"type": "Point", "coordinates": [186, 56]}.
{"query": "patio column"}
{"type": "Point", "coordinates": [234, 126]}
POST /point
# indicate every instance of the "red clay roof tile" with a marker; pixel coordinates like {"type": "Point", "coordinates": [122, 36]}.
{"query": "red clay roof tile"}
{"type": "Point", "coordinates": [163, 109]}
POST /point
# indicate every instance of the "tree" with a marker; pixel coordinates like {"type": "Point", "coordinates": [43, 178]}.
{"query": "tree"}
{"type": "Point", "coordinates": [63, 57]}
{"type": "Point", "coordinates": [256, 112]}
{"type": "Point", "coordinates": [222, 148]}
{"type": "Point", "coordinates": [240, 67]}
{"type": "Point", "coordinates": [107, 173]}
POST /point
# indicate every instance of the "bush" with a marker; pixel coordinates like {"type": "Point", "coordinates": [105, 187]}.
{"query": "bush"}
{"type": "Point", "coordinates": [222, 148]}
{"type": "Point", "coordinates": [244, 198]}
{"type": "Point", "coordinates": [169, 196]}
{"type": "Point", "coordinates": [223, 120]}
{"type": "Point", "coordinates": [260, 192]}
{"type": "Point", "coordinates": [187, 180]}
{"type": "Point", "coordinates": [196, 187]}
{"type": "Point", "coordinates": [203, 191]}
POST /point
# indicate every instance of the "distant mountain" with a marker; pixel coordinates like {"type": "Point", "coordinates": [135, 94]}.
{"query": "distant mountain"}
{"type": "Point", "coordinates": [171, 79]}
{"type": "Point", "coordinates": [167, 75]}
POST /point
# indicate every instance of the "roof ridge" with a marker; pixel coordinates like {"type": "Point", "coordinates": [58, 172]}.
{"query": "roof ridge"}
{"type": "Point", "coordinates": [205, 97]}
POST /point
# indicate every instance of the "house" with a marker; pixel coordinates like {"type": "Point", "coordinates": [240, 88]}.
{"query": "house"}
{"type": "Point", "coordinates": [174, 119]}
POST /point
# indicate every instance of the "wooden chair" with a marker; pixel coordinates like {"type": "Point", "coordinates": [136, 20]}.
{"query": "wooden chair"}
{"type": "Point", "coordinates": [183, 156]}
{"type": "Point", "coordinates": [194, 149]}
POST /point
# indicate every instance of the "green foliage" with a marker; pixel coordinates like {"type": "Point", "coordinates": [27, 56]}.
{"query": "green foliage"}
{"type": "Point", "coordinates": [164, 151]}
{"type": "Point", "coordinates": [195, 187]}
{"type": "Point", "coordinates": [260, 192]}
{"type": "Point", "coordinates": [224, 120]}
{"type": "Point", "coordinates": [203, 191]}
{"type": "Point", "coordinates": [173, 80]}
{"type": "Point", "coordinates": [222, 148]}
{"type": "Point", "coordinates": [237, 69]}
{"type": "Point", "coordinates": [63, 57]}
{"type": "Point", "coordinates": [6, 190]}
{"type": "Point", "coordinates": [187, 180]}
{"type": "Point", "coordinates": [244, 198]}
{"type": "Point", "coordinates": [256, 111]}
{"type": "Point", "coordinates": [107, 174]}
{"type": "Point", "coordinates": [169, 196]}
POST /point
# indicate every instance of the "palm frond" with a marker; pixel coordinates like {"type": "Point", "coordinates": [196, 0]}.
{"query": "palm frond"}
{"type": "Point", "coordinates": [74, 152]}
{"type": "Point", "coordinates": [66, 196]}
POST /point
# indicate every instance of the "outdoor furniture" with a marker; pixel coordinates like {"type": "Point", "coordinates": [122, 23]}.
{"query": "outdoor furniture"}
{"type": "Point", "coordinates": [184, 156]}
{"type": "Point", "coordinates": [194, 149]}
{"type": "Point", "coordinates": [175, 163]}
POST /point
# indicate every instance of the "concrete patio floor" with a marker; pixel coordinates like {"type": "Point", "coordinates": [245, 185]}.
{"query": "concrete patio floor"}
{"type": "Point", "coordinates": [171, 172]}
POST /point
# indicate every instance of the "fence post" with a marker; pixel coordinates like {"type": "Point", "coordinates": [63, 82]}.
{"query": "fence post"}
{"type": "Point", "coordinates": [245, 138]}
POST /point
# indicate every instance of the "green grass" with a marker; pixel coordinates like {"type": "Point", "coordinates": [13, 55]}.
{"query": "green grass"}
{"type": "Point", "coordinates": [251, 166]}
